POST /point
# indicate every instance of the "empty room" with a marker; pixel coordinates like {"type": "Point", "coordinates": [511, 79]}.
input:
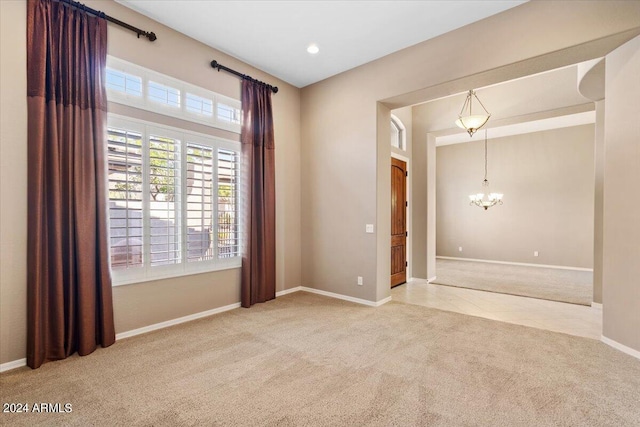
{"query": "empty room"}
{"type": "Point", "coordinates": [239, 213]}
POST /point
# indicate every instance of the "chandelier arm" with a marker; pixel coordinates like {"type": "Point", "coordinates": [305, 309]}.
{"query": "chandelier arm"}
{"type": "Point", "coordinates": [481, 104]}
{"type": "Point", "coordinates": [465, 126]}
{"type": "Point", "coordinates": [466, 101]}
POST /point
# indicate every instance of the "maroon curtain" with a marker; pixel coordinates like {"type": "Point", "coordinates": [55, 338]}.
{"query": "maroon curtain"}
{"type": "Point", "coordinates": [258, 283]}
{"type": "Point", "coordinates": [68, 282]}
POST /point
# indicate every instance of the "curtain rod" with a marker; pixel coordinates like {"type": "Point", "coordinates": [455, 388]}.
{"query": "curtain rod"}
{"type": "Point", "coordinates": [215, 64]}
{"type": "Point", "coordinates": [150, 35]}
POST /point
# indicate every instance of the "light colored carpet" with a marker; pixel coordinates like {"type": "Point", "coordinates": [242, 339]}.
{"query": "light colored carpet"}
{"type": "Point", "coordinates": [575, 287]}
{"type": "Point", "coordinates": [307, 360]}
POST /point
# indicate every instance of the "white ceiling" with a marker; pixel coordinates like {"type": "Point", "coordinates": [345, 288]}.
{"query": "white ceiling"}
{"type": "Point", "coordinates": [273, 35]}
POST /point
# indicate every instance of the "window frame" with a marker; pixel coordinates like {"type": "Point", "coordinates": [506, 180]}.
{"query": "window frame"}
{"type": "Point", "coordinates": [147, 272]}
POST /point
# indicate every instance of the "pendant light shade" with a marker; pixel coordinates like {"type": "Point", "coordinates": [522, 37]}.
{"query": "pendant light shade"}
{"type": "Point", "coordinates": [469, 121]}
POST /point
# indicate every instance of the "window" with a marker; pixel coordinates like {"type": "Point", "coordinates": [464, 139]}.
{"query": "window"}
{"type": "Point", "coordinates": [123, 82]}
{"type": "Point", "coordinates": [228, 114]}
{"type": "Point", "coordinates": [173, 201]}
{"type": "Point", "coordinates": [199, 105]}
{"type": "Point", "coordinates": [398, 137]}
{"type": "Point", "coordinates": [139, 87]}
{"type": "Point", "coordinates": [173, 194]}
{"type": "Point", "coordinates": [163, 94]}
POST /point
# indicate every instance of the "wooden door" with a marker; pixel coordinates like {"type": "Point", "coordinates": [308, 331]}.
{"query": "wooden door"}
{"type": "Point", "coordinates": [398, 222]}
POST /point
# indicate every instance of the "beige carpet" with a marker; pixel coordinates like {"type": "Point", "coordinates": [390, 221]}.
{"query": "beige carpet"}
{"type": "Point", "coordinates": [307, 360]}
{"type": "Point", "coordinates": [575, 287]}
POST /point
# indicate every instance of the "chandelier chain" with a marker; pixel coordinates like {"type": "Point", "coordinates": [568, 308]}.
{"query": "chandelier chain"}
{"type": "Point", "coordinates": [483, 199]}
{"type": "Point", "coordinates": [485, 155]}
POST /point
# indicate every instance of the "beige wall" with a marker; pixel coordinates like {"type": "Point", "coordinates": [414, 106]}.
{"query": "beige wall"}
{"type": "Point", "coordinates": [598, 206]}
{"type": "Point", "coordinates": [342, 154]}
{"type": "Point", "coordinates": [418, 206]}
{"type": "Point", "coordinates": [13, 180]}
{"type": "Point", "coordinates": [621, 267]}
{"type": "Point", "coordinates": [547, 181]}
{"type": "Point", "coordinates": [383, 208]}
{"type": "Point", "coordinates": [176, 55]}
{"type": "Point", "coordinates": [424, 191]}
{"type": "Point", "coordinates": [431, 213]}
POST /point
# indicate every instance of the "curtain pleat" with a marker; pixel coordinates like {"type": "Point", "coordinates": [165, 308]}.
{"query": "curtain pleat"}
{"type": "Point", "coordinates": [258, 282]}
{"type": "Point", "coordinates": [69, 296]}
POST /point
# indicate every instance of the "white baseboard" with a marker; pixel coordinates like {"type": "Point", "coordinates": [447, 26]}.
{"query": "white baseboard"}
{"type": "Point", "coordinates": [334, 295]}
{"type": "Point", "coordinates": [13, 365]}
{"type": "Point", "coordinates": [421, 278]}
{"type": "Point", "coordinates": [288, 291]}
{"type": "Point", "coordinates": [191, 317]}
{"type": "Point", "coordinates": [430, 280]}
{"type": "Point", "coordinates": [383, 301]}
{"type": "Point", "coordinates": [623, 348]}
{"type": "Point", "coordinates": [346, 297]}
{"type": "Point", "coordinates": [177, 321]}
{"type": "Point", "coordinates": [411, 279]}
{"type": "Point", "coordinates": [559, 267]}
{"type": "Point", "coordinates": [596, 305]}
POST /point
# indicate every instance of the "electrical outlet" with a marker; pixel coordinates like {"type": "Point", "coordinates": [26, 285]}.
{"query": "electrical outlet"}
{"type": "Point", "coordinates": [535, 253]}
{"type": "Point", "coordinates": [359, 280]}
{"type": "Point", "coordinates": [459, 248]}
{"type": "Point", "coordinates": [369, 228]}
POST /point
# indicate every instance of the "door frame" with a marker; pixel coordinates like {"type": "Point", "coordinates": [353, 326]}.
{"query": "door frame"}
{"type": "Point", "coordinates": [407, 160]}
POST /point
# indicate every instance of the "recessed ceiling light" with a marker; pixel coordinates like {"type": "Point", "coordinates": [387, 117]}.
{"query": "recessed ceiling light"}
{"type": "Point", "coordinates": [313, 49]}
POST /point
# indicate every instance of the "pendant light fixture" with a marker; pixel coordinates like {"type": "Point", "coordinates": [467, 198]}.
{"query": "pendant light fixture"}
{"type": "Point", "coordinates": [492, 198]}
{"type": "Point", "coordinates": [469, 121]}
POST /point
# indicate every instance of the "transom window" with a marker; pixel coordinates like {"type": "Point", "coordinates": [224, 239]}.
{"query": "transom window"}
{"type": "Point", "coordinates": [173, 201]}
{"type": "Point", "coordinates": [123, 82]}
{"type": "Point", "coordinates": [135, 86]}
{"type": "Point", "coordinates": [199, 105]}
{"type": "Point", "coordinates": [228, 114]}
{"type": "Point", "coordinates": [398, 137]}
{"type": "Point", "coordinates": [163, 94]}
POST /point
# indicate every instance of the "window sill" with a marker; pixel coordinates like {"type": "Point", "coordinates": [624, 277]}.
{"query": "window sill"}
{"type": "Point", "coordinates": [134, 280]}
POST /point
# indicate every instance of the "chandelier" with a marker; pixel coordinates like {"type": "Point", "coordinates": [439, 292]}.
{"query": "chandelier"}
{"type": "Point", "coordinates": [492, 198]}
{"type": "Point", "coordinates": [469, 121]}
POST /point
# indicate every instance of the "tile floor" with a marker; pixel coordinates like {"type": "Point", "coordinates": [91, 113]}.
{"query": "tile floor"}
{"type": "Point", "coordinates": [550, 315]}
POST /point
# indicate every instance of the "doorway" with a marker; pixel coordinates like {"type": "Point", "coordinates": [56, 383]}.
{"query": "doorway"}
{"type": "Point", "coordinates": [398, 222]}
